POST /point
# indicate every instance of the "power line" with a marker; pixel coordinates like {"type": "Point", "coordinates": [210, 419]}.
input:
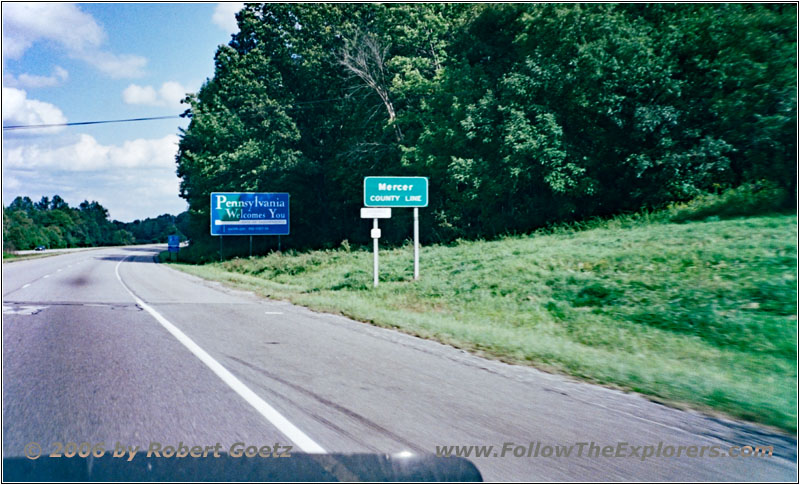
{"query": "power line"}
{"type": "Point", "coordinates": [302, 105]}
{"type": "Point", "coordinates": [78, 123]}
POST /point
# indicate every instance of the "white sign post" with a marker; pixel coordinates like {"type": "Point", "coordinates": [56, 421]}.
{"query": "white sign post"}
{"type": "Point", "coordinates": [376, 234]}
{"type": "Point", "coordinates": [375, 213]}
{"type": "Point", "coordinates": [399, 192]}
{"type": "Point", "coordinates": [416, 243]}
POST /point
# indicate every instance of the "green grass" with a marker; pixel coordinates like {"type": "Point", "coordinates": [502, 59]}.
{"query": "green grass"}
{"type": "Point", "coordinates": [11, 257]}
{"type": "Point", "coordinates": [701, 313]}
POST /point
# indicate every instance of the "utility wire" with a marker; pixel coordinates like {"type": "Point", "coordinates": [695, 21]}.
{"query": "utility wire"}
{"type": "Point", "coordinates": [78, 123]}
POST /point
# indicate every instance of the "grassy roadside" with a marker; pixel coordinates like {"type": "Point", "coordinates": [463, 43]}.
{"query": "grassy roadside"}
{"type": "Point", "coordinates": [11, 257]}
{"type": "Point", "coordinates": [702, 313]}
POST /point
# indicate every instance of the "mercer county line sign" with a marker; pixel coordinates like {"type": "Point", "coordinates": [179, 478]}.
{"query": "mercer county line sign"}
{"type": "Point", "coordinates": [395, 191]}
{"type": "Point", "coordinates": [249, 214]}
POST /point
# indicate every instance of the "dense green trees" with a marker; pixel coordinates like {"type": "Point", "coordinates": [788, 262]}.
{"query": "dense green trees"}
{"type": "Point", "coordinates": [154, 229]}
{"type": "Point", "coordinates": [54, 224]}
{"type": "Point", "coordinates": [519, 114]}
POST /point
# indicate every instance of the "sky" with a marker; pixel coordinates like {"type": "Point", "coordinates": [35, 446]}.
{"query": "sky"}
{"type": "Point", "coordinates": [66, 63]}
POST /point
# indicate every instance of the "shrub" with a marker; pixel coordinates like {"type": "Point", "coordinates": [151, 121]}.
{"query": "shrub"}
{"type": "Point", "coordinates": [745, 200]}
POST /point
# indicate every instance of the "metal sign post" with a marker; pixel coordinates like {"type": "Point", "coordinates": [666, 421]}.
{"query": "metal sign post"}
{"type": "Point", "coordinates": [416, 243]}
{"type": "Point", "coordinates": [375, 214]}
{"type": "Point", "coordinates": [399, 192]}
{"type": "Point", "coordinates": [376, 234]}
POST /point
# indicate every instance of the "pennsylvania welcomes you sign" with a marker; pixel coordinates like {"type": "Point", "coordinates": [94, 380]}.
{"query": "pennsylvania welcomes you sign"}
{"type": "Point", "coordinates": [249, 214]}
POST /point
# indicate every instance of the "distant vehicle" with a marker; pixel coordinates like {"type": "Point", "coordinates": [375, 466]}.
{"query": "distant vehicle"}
{"type": "Point", "coordinates": [40, 248]}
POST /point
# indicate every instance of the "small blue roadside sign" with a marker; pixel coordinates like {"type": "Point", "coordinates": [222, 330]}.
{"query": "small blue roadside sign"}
{"type": "Point", "coordinates": [249, 214]}
{"type": "Point", "coordinates": [173, 243]}
{"type": "Point", "coordinates": [395, 191]}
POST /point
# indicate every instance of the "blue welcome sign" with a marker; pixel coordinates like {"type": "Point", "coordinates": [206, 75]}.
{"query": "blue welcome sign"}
{"type": "Point", "coordinates": [249, 214]}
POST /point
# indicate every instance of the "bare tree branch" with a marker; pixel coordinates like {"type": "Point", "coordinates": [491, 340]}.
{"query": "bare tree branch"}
{"type": "Point", "coordinates": [365, 59]}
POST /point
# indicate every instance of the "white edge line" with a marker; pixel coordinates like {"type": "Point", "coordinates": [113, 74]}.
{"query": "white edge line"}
{"type": "Point", "coordinates": [271, 414]}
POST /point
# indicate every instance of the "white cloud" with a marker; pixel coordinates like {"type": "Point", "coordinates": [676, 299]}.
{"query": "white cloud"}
{"type": "Point", "coordinates": [135, 94]}
{"type": "Point", "coordinates": [64, 24]}
{"type": "Point", "coordinates": [173, 92]}
{"type": "Point", "coordinates": [11, 183]}
{"type": "Point", "coordinates": [128, 194]}
{"type": "Point", "coordinates": [19, 110]}
{"type": "Point", "coordinates": [61, 73]}
{"type": "Point", "coordinates": [133, 180]}
{"type": "Point", "coordinates": [225, 15]}
{"type": "Point", "coordinates": [26, 23]}
{"type": "Point", "coordinates": [35, 81]}
{"type": "Point", "coordinates": [169, 94]}
{"type": "Point", "coordinates": [86, 154]}
{"type": "Point", "coordinates": [114, 65]}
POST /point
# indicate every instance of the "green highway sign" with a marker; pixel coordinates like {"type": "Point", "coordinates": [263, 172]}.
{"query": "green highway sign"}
{"type": "Point", "coordinates": [395, 191]}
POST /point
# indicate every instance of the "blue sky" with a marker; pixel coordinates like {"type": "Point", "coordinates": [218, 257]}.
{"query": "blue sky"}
{"type": "Point", "coordinates": [83, 62]}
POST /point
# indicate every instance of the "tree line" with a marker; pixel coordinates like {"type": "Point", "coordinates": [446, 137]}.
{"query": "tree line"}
{"type": "Point", "coordinates": [520, 115]}
{"type": "Point", "coordinates": [52, 223]}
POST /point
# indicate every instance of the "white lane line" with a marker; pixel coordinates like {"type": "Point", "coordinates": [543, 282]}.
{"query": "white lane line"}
{"type": "Point", "coordinates": [274, 313]}
{"type": "Point", "coordinates": [58, 270]}
{"type": "Point", "coordinates": [46, 276]}
{"type": "Point", "coordinates": [26, 285]}
{"type": "Point", "coordinates": [271, 414]}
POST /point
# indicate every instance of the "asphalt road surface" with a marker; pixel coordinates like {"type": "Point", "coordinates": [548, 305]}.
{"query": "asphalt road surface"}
{"type": "Point", "coordinates": [108, 346]}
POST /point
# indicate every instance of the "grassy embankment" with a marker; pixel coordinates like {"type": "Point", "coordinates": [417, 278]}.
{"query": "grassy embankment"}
{"type": "Point", "coordinates": [701, 313]}
{"type": "Point", "coordinates": [11, 257]}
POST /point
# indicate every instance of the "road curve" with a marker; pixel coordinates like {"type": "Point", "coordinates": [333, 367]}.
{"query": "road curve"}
{"type": "Point", "coordinates": [108, 346]}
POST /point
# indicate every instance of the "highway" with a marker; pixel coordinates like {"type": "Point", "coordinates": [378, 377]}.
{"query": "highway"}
{"type": "Point", "coordinates": [108, 346]}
